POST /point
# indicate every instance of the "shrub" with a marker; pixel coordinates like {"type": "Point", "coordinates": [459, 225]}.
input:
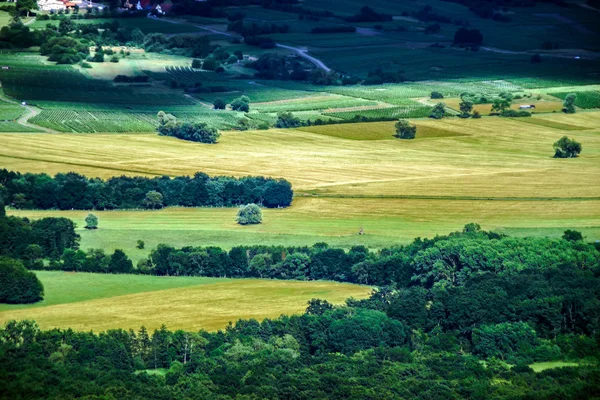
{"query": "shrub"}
{"type": "Point", "coordinates": [404, 130]}
{"type": "Point", "coordinates": [17, 285]}
{"type": "Point", "coordinates": [249, 215]}
{"type": "Point", "coordinates": [219, 104]}
{"type": "Point", "coordinates": [438, 111]}
{"type": "Point", "coordinates": [140, 244]}
{"type": "Point", "coordinates": [91, 222]}
{"type": "Point", "coordinates": [287, 120]}
{"type": "Point", "coordinates": [569, 103]}
{"type": "Point", "coordinates": [241, 104]}
{"type": "Point", "coordinates": [436, 95]}
{"type": "Point", "coordinates": [476, 114]}
{"type": "Point", "coordinates": [197, 64]}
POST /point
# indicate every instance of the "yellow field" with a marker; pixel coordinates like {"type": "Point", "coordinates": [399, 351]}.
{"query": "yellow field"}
{"type": "Point", "coordinates": [209, 305]}
{"type": "Point", "coordinates": [495, 171]}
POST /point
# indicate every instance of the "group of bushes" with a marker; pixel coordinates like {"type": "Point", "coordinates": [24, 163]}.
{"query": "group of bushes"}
{"type": "Point", "coordinates": [73, 191]}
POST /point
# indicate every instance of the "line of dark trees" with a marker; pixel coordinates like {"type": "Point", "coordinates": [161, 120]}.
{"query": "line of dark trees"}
{"type": "Point", "coordinates": [73, 191]}
{"type": "Point", "coordinates": [444, 262]}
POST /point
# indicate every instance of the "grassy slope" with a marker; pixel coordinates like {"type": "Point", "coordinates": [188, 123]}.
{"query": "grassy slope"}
{"type": "Point", "coordinates": [180, 303]}
{"type": "Point", "coordinates": [374, 184]}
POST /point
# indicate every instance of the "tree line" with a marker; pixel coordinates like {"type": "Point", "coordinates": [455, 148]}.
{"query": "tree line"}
{"type": "Point", "coordinates": [400, 343]}
{"type": "Point", "coordinates": [442, 262]}
{"type": "Point", "coordinates": [66, 191]}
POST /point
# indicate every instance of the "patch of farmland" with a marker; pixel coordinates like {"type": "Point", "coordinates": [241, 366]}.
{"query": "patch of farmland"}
{"type": "Point", "coordinates": [9, 111]}
{"type": "Point", "coordinates": [376, 131]}
{"type": "Point", "coordinates": [190, 75]}
{"type": "Point", "coordinates": [549, 82]}
{"type": "Point", "coordinates": [415, 110]}
{"type": "Point", "coordinates": [208, 304]}
{"type": "Point", "coordinates": [312, 103]}
{"type": "Point", "coordinates": [540, 106]}
{"type": "Point", "coordinates": [95, 121]}
{"type": "Point", "coordinates": [32, 83]}
{"type": "Point", "coordinates": [587, 100]}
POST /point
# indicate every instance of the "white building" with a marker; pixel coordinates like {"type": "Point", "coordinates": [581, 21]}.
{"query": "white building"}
{"type": "Point", "coordinates": [49, 5]}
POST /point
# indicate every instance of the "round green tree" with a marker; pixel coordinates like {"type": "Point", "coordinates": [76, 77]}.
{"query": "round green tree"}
{"type": "Point", "coordinates": [566, 148]}
{"type": "Point", "coordinates": [249, 215]}
{"type": "Point", "coordinates": [153, 200]}
{"type": "Point", "coordinates": [91, 222]}
{"type": "Point", "coordinates": [404, 130]}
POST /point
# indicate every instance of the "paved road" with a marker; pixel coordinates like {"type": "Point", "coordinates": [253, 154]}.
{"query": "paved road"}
{"type": "Point", "coordinates": [30, 113]}
{"type": "Point", "coordinates": [304, 54]}
{"type": "Point", "coordinates": [301, 52]}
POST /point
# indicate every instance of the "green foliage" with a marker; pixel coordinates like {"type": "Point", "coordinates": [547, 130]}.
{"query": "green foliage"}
{"type": "Point", "coordinates": [436, 95]}
{"type": "Point", "coordinates": [17, 285]}
{"type": "Point", "coordinates": [65, 50]}
{"type": "Point", "coordinates": [500, 105]}
{"type": "Point", "coordinates": [241, 104]}
{"type": "Point", "coordinates": [192, 131]}
{"type": "Point", "coordinates": [465, 107]}
{"type": "Point", "coordinates": [438, 111]}
{"type": "Point", "coordinates": [287, 120]}
{"type": "Point", "coordinates": [119, 263]}
{"type": "Point", "coordinates": [91, 222]}
{"type": "Point", "coordinates": [153, 200]}
{"type": "Point", "coordinates": [249, 215]}
{"type": "Point", "coordinates": [404, 130]}
{"type": "Point", "coordinates": [569, 103]}
{"type": "Point", "coordinates": [140, 244]}
{"type": "Point", "coordinates": [572, 236]}
{"type": "Point", "coordinates": [566, 148]}
{"type": "Point", "coordinates": [504, 340]}
{"type": "Point", "coordinates": [219, 104]}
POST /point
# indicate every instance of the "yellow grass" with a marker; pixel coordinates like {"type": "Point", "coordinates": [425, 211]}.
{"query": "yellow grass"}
{"type": "Point", "coordinates": [209, 306]}
{"type": "Point", "coordinates": [496, 157]}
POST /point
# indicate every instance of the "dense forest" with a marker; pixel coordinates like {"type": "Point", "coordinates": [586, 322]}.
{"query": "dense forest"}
{"type": "Point", "coordinates": [74, 191]}
{"type": "Point", "coordinates": [469, 342]}
{"type": "Point", "coordinates": [458, 316]}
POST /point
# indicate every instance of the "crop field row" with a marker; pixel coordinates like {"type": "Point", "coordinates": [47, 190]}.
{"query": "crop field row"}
{"type": "Point", "coordinates": [91, 122]}
{"type": "Point", "coordinates": [587, 99]}
{"type": "Point", "coordinates": [189, 75]}
{"type": "Point", "coordinates": [312, 103]}
{"type": "Point", "coordinates": [414, 111]}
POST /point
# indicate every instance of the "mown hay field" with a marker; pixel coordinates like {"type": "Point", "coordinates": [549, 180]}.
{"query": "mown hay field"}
{"type": "Point", "coordinates": [495, 171]}
{"type": "Point", "coordinates": [84, 302]}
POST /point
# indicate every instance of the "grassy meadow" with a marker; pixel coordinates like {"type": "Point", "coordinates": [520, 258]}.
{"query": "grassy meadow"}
{"type": "Point", "coordinates": [494, 171]}
{"type": "Point", "coordinates": [83, 301]}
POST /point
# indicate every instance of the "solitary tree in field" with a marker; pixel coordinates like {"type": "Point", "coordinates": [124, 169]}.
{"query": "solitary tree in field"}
{"type": "Point", "coordinates": [404, 130]}
{"type": "Point", "coordinates": [249, 215]}
{"type": "Point", "coordinates": [141, 244]}
{"type": "Point", "coordinates": [219, 104]}
{"type": "Point", "coordinates": [436, 95]}
{"type": "Point", "coordinates": [569, 103]}
{"type": "Point", "coordinates": [572, 236]}
{"type": "Point", "coordinates": [500, 105]}
{"type": "Point", "coordinates": [91, 222]}
{"type": "Point", "coordinates": [566, 148]}
{"type": "Point", "coordinates": [241, 104]}
{"type": "Point", "coordinates": [438, 111]}
{"type": "Point", "coordinates": [465, 107]}
{"type": "Point", "coordinates": [153, 200]}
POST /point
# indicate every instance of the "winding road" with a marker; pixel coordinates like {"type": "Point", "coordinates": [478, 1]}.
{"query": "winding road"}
{"type": "Point", "coordinates": [301, 52]}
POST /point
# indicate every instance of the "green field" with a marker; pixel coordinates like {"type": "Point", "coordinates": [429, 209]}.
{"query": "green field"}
{"type": "Point", "coordinates": [98, 302]}
{"type": "Point", "coordinates": [495, 171]}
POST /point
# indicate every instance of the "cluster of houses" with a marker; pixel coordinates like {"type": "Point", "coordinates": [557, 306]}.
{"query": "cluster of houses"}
{"type": "Point", "coordinates": [140, 5]}
{"type": "Point", "coordinates": [55, 5]}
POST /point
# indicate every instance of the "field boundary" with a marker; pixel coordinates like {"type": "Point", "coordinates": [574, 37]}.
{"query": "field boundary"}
{"type": "Point", "coordinates": [426, 197]}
